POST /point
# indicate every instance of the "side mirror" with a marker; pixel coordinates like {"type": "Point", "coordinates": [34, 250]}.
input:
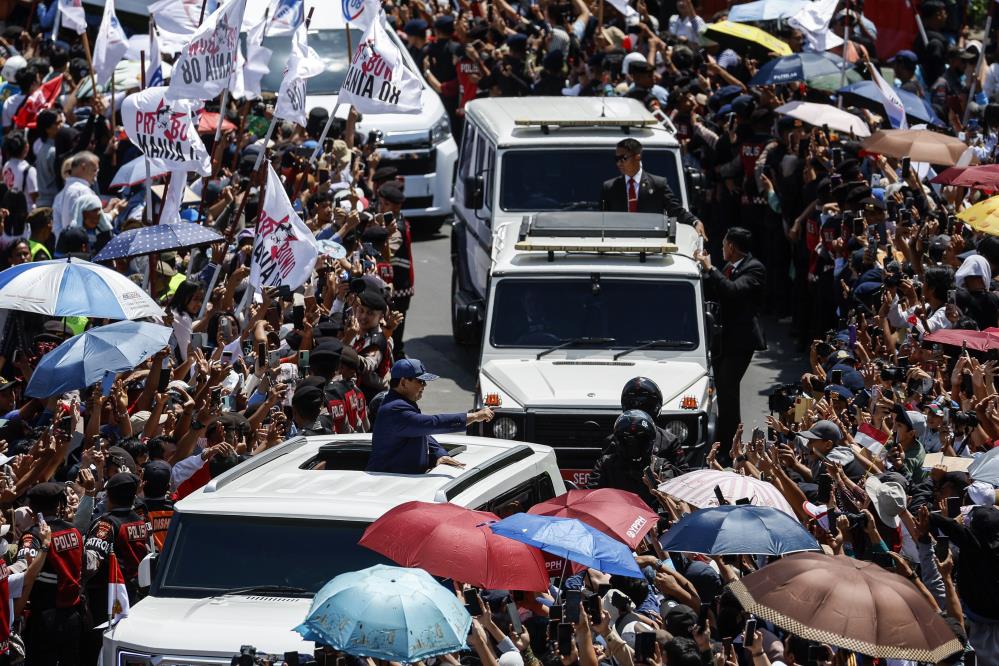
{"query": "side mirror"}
{"type": "Point", "coordinates": [695, 184]}
{"type": "Point", "coordinates": [712, 325]}
{"type": "Point", "coordinates": [469, 322]}
{"type": "Point", "coordinates": [474, 191]}
{"type": "Point", "coordinates": [147, 570]}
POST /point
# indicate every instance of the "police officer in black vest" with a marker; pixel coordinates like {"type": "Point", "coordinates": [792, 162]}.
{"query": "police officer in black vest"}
{"type": "Point", "coordinates": [390, 200]}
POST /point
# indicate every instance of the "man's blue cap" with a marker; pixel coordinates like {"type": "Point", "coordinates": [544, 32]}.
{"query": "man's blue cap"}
{"type": "Point", "coordinates": [905, 54]}
{"type": "Point", "coordinates": [411, 368]}
{"type": "Point", "coordinates": [517, 39]}
{"type": "Point", "coordinates": [415, 28]}
{"type": "Point", "coordinates": [444, 23]}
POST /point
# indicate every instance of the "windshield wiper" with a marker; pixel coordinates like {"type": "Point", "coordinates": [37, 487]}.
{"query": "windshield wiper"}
{"type": "Point", "coordinates": [267, 589]}
{"type": "Point", "coordinates": [649, 344]}
{"type": "Point", "coordinates": [575, 341]}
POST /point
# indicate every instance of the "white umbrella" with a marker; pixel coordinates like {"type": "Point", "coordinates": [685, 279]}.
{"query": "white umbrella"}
{"type": "Point", "coordinates": [134, 172]}
{"type": "Point", "coordinates": [818, 115]}
{"type": "Point", "coordinates": [74, 288]}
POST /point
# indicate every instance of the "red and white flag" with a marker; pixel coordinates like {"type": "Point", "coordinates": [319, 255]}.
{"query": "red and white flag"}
{"type": "Point", "coordinates": [871, 438]}
{"type": "Point", "coordinates": [284, 250]}
{"type": "Point", "coordinates": [117, 594]}
{"type": "Point", "coordinates": [43, 98]}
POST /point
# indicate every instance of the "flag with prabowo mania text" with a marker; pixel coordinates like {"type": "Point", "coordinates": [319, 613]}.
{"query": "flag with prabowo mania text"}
{"type": "Point", "coordinates": [377, 81]}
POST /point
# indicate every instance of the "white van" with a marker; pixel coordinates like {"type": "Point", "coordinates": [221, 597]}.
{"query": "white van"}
{"type": "Point", "coordinates": [539, 154]}
{"type": "Point", "coordinates": [419, 145]}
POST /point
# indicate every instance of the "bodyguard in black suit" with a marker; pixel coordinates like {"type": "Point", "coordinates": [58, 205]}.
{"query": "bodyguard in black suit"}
{"type": "Point", "coordinates": [638, 191]}
{"type": "Point", "coordinates": [738, 289]}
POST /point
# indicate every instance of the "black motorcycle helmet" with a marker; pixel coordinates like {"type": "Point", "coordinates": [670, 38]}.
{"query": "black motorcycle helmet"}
{"type": "Point", "coordinates": [642, 393]}
{"type": "Point", "coordinates": [635, 433]}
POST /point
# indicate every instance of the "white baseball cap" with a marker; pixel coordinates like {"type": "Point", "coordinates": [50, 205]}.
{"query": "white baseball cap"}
{"type": "Point", "coordinates": [12, 66]}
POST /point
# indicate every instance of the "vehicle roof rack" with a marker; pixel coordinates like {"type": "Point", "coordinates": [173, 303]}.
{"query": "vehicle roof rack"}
{"type": "Point", "coordinates": [619, 233]}
{"type": "Point", "coordinates": [473, 475]}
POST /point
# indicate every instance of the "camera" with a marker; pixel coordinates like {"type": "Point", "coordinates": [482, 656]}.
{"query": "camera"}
{"type": "Point", "coordinates": [374, 138]}
{"type": "Point", "coordinates": [782, 398]}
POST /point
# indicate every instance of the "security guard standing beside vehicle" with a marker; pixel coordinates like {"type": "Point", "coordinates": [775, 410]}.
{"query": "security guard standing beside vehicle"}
{"type": "Point", "coordinates": [55, 624]}
{"type": "Point", "coordinates": [642, 393]}
{"type": "Point", "coordinates": [624, 462]}
{"type": "Point", "coordinates": [123, 532]}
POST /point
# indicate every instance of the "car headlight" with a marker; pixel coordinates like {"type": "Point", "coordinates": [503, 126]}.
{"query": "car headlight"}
{"type": "Point", "coordinates": [128, 658]}
{"type": "Point", "coordinates": [440, 131]}
{"type": "Point", "coordinates": [504, 428]}
{"type": "Point", "coordinates": [679, 430]}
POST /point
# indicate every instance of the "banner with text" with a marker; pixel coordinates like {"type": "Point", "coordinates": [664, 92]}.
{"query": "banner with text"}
{"type": "Point", "coordinates": [377, 81]}
{"type": "Point", "coordinates": [207, 62]}
{"type": "Point", "coordinates": [284, 250]}
{"type": "Point", "coordinates": [164, 131]}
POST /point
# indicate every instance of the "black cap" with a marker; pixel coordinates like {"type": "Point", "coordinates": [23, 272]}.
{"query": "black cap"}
{"type": "Point", "coordinates": [872, 203]}
{"type": "Point", "coordinates": [641, 66]}
{"type": "Point", "coordinates": [373, 300]}
{"type": "Point", "coordinates": [902, 416]}
{"type": "Point", "coordinates": [47, 493]}
{"type": "Point", "coordinates": [384, 173]}
{"type": "Point", "coordinates": [123, 479]}
{"type": "Point", "coordinates": [391, 192]}
{"type": "Point", "coordinates": [156, 476]}
{"type": "Point", "coordinates": [375, 234]}
{"type": "Point", "coordinates": [307, 397]}
{"type": "Point", "coordinates": [119, 457]}
{"type": "Point", "coordinates": [444, 23]}
{"type": "Point", "coordinates": [415, 28]}
{"type": "Point", "coordinates": [350, 358]}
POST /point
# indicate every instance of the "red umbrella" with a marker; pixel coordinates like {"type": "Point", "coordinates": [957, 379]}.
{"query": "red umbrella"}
{"type": "Point", "coordinates": [976, 340]}
{"type": "Point", "coordinates": [617, 513]}
{"type": "Point", "coordinates": [981, 177]}
{"type": "Point", "coordinates": [451, 541]}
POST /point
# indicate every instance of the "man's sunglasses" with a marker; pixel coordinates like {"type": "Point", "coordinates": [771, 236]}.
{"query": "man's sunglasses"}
{"type": "Point", "coordinates": [621, 158]}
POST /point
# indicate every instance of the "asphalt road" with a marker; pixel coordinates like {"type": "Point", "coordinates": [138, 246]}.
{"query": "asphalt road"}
{"type": "Point", "coordinates": [428, 338]}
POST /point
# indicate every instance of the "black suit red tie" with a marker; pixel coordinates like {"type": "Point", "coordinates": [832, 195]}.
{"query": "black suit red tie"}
{"type": "Point", "coordinates": [632, 196]}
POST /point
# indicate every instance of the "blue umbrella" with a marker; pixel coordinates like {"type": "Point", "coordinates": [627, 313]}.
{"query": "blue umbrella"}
{"type": "Point", "coordinates": [572, 539]}
{"type": "Point", "coordinates": [158, 238]}
{"type": "Point", "coordinates": [740, 529]}
{"type": "Point", "coordinates": [390, 613]}
{"type": "Point", "coordinates": [866, 94]}
{"type": "Point", "coordinates": [797, 67]}
{"type": "Point", "coordinates": [765, 10]}
{"type": "Point", "coordinates": [86, 358]}
{"type": "Point", "coordinates": [74, 288]}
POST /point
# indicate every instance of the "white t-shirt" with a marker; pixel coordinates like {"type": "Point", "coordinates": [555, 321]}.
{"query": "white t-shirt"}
{"type": "Point", "coordinates": [19, 176]}
{"type": "Point", "coordinates": [10, 107]}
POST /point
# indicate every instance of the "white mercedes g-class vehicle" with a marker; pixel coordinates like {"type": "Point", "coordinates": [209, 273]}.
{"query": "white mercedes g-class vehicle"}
{"type": "Point", "coordinates": [246, 553]}
{"type": "Point", "coordinates": [578, 304]}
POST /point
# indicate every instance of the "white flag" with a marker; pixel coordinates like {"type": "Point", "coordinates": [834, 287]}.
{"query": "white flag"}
{"type": "Point", "coordinates": [154, 70]}
{"type": "Point", "coordinates": [164, 131]}
{"type": "Point", "coordinates": [813, 22]}
{"type": "Point", "coordinates": [258, 59]}
{"type": "Point", "coordinates": [285, 17]}
{"type": "Point", "coordinates": [626, 10]}
{"type": "Point", "coordinates": [377, 81]}
{"type": "Point", "coordinates": [361, 13]}
{"type": "Point", "coordinates": [173, 197]}
{"type": "Point", "coordinates": [890, 100]}
{"type": "Point", "coordinates": [180, 16]}
{"type": "Point", "coordinates": [303, 63]}
{"type": "Point", "coordinates": [72, 15]}
{"type": "Point", "coordinates": [284, 250]}
{"type": "Point", "coordinates": [209, 59]}
{"type": "Point", "coordinates": [110, 46]}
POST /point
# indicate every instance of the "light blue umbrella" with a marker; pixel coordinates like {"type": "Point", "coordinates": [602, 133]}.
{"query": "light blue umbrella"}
{"type": "Point", "coordinates": [765, 10]}
{"type": "Point", "coordinates": [74, 288]}
{"type": "Point", "coordinates": [390, 613]}
{"type": "Point", "coordinates": [571, 539]}
{"type": "Point", "coordinates": [738, 529]}
{"type": "Point", "coordinates": [86, 358]}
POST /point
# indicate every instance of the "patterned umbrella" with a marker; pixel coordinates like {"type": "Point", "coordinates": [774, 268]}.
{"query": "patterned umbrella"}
{"type": "Point", "coordinates": [159, 238]}
{"type": "Point", "coordinates": [798, 67]}
{"type": "Point", "coordinates": [698, 489]}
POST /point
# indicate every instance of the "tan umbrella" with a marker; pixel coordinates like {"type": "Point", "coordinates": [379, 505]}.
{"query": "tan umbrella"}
{"type": "Point", "coordinates": [919, 145]}
{"type": "Point", "coordinates": [848, 603]}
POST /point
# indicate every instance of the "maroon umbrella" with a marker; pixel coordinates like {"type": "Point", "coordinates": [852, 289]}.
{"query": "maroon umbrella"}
{"type": "Point", "coordinates": [617, 513]}
{"type": "Point", "coordinates": [981, 177]}
{"type": "Point", "coordinates": [451, 541]}
{"type": "Point", "coordinates": [976, 340]}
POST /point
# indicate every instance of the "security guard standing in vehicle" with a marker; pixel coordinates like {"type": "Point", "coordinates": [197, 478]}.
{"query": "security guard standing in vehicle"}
{"type": "Point", "coordinates": [624, 462]}
{"type": "Point", "coordinates": [120, 531]}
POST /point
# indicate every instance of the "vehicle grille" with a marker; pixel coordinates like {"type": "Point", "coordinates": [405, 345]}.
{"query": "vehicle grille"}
{"type": "Point", "coordinates": [570, 430]}
{"type": "Point", "coordinates": [414, 164]}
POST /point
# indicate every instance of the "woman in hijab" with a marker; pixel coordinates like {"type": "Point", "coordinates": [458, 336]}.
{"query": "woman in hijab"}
{"type": "Point", "coordinates": [973, 296]}
{"type": "Point", "coordinates": [89, 214]}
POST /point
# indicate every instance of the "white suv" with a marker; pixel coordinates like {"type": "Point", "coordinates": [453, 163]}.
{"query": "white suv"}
{"type": "Point", "coordinates": [246, 553]}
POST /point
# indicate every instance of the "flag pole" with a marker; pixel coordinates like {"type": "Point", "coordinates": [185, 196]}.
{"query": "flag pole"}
{"type": "Point", "coordinates": [846, 48]}
{"type": "Point", "coordinates": [90, 63]}
{"type": "Point", "coordinates": [201, 16]}
{"type": "Point", "coordinates": [329, 121]}
{"type": "Point", "coordinates": [973, 88]}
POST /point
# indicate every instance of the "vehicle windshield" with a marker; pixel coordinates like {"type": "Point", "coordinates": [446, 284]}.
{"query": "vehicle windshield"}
{"type": "Point", "coordinates": [548, 179]}
{"type": "Point", "coordinates": [207, 555]}
{"type": "Point", "coordinates": [541, 313]}
{"type": "Point", "coordinates": [331, 45]}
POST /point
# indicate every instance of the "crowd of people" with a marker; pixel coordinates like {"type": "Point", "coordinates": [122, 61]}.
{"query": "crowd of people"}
{"type": "Point", "coordinates": [863, 257]}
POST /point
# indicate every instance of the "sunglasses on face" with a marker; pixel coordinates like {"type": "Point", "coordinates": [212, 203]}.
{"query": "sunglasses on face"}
{"type": "Point", "coordinates": [621, 158]}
